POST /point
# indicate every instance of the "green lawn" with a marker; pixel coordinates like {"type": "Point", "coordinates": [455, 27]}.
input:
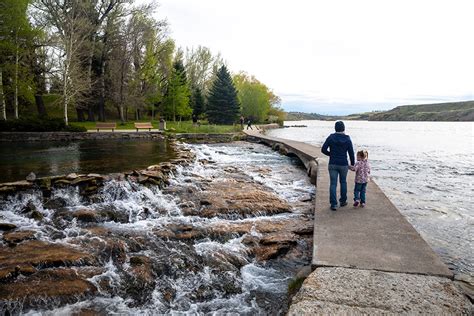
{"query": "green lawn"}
{"type": "Point", "coordinates": [173, 127]}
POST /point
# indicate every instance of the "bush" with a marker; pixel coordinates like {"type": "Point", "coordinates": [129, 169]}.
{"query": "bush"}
{"type": "Point", "coordinates": [38, 125]}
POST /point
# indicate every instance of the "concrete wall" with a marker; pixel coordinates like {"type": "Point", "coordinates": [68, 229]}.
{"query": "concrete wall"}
{"type": "Point", "coordinates": [68, 136]}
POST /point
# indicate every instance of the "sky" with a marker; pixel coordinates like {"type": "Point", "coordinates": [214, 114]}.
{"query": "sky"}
{"type": "Point", "coordinates": [338, 56]}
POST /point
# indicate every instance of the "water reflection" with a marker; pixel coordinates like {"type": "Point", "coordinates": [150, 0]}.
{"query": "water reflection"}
{"type": "Point", "coordinates": [18, 159]}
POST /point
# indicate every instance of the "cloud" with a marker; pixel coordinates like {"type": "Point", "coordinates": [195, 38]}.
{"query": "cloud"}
{"type": "Point", "coordinates": [356, 54]}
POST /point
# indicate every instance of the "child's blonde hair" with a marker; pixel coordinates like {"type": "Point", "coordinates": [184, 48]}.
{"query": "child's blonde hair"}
{"type": "Point", "coordinates": [364, 154]}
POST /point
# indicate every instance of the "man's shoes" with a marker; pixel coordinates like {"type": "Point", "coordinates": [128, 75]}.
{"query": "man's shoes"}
{"type": "Point", "coordinates": [343, 204]}
{"type": "Point", "coordinates": [356, 203]}
{"type": "Point", "coordinates": [333, 208]}
{"type": "Point", "coordinates": [362, 204]}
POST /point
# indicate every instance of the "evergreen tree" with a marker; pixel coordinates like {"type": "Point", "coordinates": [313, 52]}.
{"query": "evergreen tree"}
{"type": "Point", "coordinates": [223, 105]}
{"type": "Point", "coordinates": [176, 101]}
{"type": "Point", "coordinates": [197, 102]}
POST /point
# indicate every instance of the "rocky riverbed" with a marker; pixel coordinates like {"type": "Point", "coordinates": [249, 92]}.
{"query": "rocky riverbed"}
{"type": "Point", "coordinates": [221, 228]}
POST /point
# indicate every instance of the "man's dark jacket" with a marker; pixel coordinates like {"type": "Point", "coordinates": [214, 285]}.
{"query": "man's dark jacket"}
{"type": "Point", "coordinates": [339, 144]}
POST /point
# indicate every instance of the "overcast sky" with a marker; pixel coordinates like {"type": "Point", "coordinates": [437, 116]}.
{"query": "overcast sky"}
{"type": "Point", "coordinates": [335, 57]}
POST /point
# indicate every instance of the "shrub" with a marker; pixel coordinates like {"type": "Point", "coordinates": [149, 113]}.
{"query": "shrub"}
{"type": "Point", "coordinates": [38, 125]}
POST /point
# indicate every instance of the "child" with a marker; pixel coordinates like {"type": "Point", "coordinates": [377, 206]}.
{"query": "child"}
{"type": "Point", "coordinates": [362, 170]}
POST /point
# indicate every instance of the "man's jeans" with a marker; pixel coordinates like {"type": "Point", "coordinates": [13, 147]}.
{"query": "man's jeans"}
{"type": "Point", "coordinates": [334, 172]}
{"type": "Point", "coordinates": [359, 192]}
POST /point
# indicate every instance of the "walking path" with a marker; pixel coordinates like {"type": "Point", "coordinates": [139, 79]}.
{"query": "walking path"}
{"type": "Point", "coordinates": [373, 242]}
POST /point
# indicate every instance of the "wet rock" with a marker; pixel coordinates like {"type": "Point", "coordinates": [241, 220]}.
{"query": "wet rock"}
{"type": "Point", "coordinates": [271, 251]}
{"type": "Point", "coordinates": [64, 286]}
{"type": "Point", "coordinates": [248, 199]}
{"type": "Point", "coordinates": [72, 176]}
{"type": "Point", "coordinates": [54, 203]}
{"type": "Point", "coordinates": [142, 268]}
{"type": "Point", "coordinates": [30, 206]}
{"type": "Point", "coordinates": [31, 177]}
{"type": "Point", "coordinates": [142, 178]}
{"type": "Point", "coordinates": [7, 226]}
{"type": "Point", "coordinates": [279, 238]}
{"type": "Point", "coordinates": [180, 231]}
{"type": "Point", "coordinates": [37, 253]}
{"type": "Point", "coordinates": [18, 236]}
{"type": "Point", "coordinates": [86, 215]}
{"type": "Point", "coordinates": [36, 215]}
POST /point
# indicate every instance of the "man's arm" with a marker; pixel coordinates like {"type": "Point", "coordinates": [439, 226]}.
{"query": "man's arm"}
{"type": "Point", "coordinates": [351, 153]}
{"type": "Point", "coordinates": [324, 149]}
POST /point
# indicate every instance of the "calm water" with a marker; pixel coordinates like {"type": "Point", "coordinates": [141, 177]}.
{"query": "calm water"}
{"type": "Point", "coordinates": [18, 159]}
{"type": "Point", "coordinates": [426, 169]}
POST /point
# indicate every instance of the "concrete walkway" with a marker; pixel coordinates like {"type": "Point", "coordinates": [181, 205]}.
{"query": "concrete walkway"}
{"type": "Point", "coordinates": [367, 261]}
{"type": "Point", "coordinates": [377, 237]}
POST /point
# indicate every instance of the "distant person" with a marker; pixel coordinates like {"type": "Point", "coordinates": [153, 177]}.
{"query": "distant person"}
{"type": "Point", "coordinates": [362, 171]}
{"type": "Point", "coordinates": [337, 146]}
{"type": "Point", "coordinates": [242, 121]}
{"type": "Point", "coordinates": [195, 120]}
{"type": "Point", "coordinates": [249, 124]}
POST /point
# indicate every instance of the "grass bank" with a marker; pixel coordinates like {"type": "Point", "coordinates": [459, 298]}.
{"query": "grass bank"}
{"type": "Point", "coordinates": [172, 127]}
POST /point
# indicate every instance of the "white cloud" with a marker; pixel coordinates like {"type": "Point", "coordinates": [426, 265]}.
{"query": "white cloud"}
{"type": "Point", "coordinates": [351, 52]}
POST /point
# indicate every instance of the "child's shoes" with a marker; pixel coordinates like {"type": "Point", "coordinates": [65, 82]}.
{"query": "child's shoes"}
{"type": "Point", "coordinates": [356, 203]}
{"type": "Point", "coordinates": [362, 204]}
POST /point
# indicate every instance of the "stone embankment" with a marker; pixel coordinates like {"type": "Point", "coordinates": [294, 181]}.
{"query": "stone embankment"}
{"type": "Point", "coordinates": [119, 135]}
{"type": "Point", "coordinates": [370, 260]}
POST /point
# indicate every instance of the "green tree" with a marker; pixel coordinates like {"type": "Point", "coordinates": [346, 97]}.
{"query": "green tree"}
{"type": "Point", "coordinates": [176, 102]}
{"type": "Point", "coordinates": [16, 36]}
{"type": "Point", "coordinates": [197, 102]}
{"type": "Point", "coordinates": [223, 105]}
{"type": "Point", "coordinates": [255, 97]}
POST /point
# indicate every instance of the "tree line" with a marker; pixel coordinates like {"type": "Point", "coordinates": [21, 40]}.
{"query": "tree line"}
{"type": "Point", "coordinates": [113, 58]}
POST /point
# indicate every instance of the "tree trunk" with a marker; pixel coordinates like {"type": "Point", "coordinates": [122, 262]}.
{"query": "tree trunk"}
{"type": "Point", "coordinates": [90, 114]}
{"type": "Point", "coordinates": [80, 115]}
{"type": "Point", "coordinates": [40, 105]}
{"type": "Point", "coordinates": [3, 108]}
{"type": "Point", "coordinates": [102, 93]}
{"type": "Point", "coordinates": [65, 96]}
{"type": "Point", "coordinates": [15, 97]}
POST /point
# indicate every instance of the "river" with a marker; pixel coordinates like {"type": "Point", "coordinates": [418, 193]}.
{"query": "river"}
{"type": "Point", "coordinates": [50, 158]}
{"type": "Point", "coordinates": [427, 171]}
{"type": "Point", "coordinates": [227, 235]}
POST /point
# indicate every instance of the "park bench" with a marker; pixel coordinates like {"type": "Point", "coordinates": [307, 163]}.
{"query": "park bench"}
{"type": "Point", "coordinates": [111, 126]}
{"type": "Point", "coordinates": [143, 126]}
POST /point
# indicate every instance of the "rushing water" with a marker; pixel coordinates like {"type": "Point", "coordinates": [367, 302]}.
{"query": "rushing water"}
{"type": "Point", "coordinates": [427, 170]}
{"type": "Point", "coordinates": [18, 159]}
{"type": "Point", "coordinates": [195, 276]}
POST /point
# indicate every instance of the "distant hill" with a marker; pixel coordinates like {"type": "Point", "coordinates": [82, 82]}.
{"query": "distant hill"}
{"type": "Point", "coordinates": [301, 116]}
{"type": "Point", "coordinates": [451, 111]}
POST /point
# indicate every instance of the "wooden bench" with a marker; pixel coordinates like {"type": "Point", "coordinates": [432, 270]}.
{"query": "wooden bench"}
{"type": "Point", "coordinates": [111, 126]}
{"type": "Point", "coordinates": [143, 126]}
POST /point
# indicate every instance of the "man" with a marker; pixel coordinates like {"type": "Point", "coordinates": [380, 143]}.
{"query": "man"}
{"type": "Point", "coordinates": [337, 146]}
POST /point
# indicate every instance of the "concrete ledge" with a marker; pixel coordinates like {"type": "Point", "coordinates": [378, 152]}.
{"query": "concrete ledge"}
{"type": "Point", "coordinates": [330, 291]}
